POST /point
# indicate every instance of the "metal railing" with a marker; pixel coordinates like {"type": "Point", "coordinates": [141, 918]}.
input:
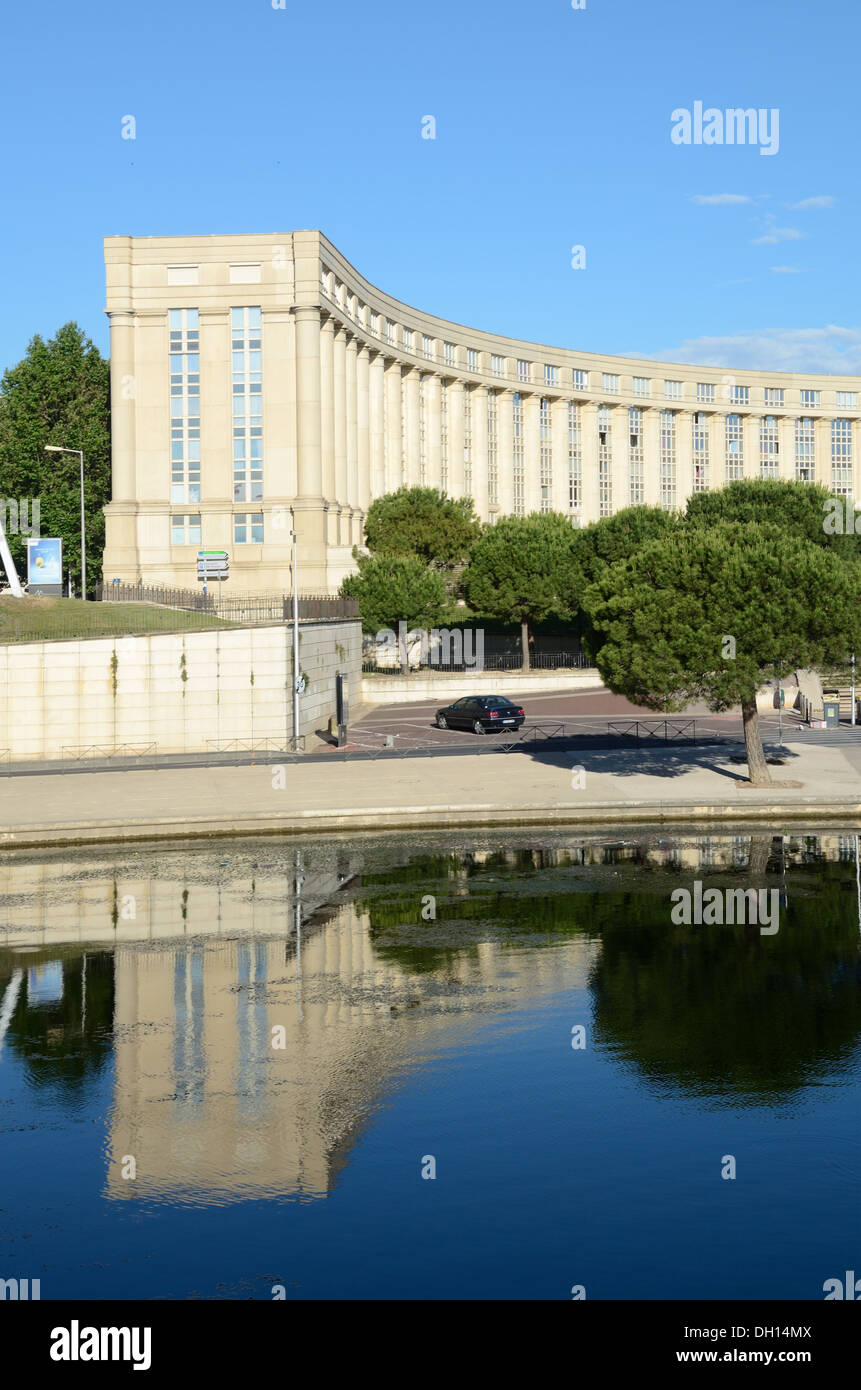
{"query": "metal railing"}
{"type": "Point", "coordinates": [234, 608]}
{"type": "Point", "coordinates": [685, 730]}
{"type": "Point", "coordinates": [542, 661]}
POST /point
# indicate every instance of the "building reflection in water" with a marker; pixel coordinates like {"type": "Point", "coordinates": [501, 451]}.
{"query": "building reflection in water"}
{"type": "Point", "coordinates": [196, 959]}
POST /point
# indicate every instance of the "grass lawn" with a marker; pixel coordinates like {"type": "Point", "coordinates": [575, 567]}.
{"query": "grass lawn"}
{"type": "Point", "coordinates": [32, 619]}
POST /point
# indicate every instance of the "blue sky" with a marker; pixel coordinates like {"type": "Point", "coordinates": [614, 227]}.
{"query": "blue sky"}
{"type": "Point", "coordinates": [553, 130]}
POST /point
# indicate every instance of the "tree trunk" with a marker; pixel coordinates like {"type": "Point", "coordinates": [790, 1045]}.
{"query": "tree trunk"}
{"type": "Point", "coordinates": [757, 767]}
{"type": "Point", "coordinates": [524, 645]}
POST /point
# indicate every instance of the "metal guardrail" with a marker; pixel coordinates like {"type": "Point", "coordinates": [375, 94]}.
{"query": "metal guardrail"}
{"type": "Point", "coordinates": [263, 745]}
{"type": "Point", "coordinates": [685, 730]}
{"type": "Point", "coordinates": [123, 750]}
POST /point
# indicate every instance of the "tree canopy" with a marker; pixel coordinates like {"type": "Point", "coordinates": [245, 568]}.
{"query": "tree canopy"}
{"type": "Point", "coordinates": [422, 521]}
{"type": "Point", "coordinates": [522, 569]}
{"type": "Point", "coordinates": [59, 393]}
{"type": "Point", "coordinates": [392, 587]}
{"type": "Point", "coordinates": [797, 508]}
{"type": "Point", "coordinates": [704, 613]}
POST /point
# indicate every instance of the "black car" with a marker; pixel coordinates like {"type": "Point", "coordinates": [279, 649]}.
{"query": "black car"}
{"type": "Point", "coordinates": [481, 713]}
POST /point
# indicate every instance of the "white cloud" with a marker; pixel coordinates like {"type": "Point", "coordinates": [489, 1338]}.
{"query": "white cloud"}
{"type": "Point", "coordinates": [785, 270]}
{"type": "Point", "coordinates": [713, 200]}
{"type": "Point", "coordinates": [828, 349]}
{"type": "Point", "coordinates": [808, 204]}
{"type": "Point", "coordinates": [778, 234]}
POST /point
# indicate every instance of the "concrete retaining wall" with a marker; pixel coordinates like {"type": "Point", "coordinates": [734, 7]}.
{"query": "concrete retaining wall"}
{"type": "Point", "coordinates": [385, 690]}
{"type": "Point", "coordinates": [187, 692]}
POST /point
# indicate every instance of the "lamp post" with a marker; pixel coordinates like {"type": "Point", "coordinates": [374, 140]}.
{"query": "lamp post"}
{"type": "Point", "coordinates": [58, 449]}
{"type": "Point", "coordinates": [297, 675]}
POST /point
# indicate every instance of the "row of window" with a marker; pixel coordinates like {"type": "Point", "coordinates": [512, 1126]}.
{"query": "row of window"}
{"type": "Point", "coordinates": [556, 376]}
{"type": "Point", "coordinates": [186, 529]}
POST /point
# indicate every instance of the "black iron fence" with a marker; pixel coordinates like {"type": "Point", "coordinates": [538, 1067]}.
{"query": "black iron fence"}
{"type": "Point", "coordinates": [541, 661]}
{"type": "Point", "coordinates": [234, 608]}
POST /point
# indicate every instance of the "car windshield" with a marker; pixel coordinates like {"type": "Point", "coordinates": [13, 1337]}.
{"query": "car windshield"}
{"type": "Point", "coordinates": [498, 702]}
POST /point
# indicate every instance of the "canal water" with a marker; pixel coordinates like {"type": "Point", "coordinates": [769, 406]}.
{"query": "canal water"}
{"type": "Point", "coordinates": [432, 1067]}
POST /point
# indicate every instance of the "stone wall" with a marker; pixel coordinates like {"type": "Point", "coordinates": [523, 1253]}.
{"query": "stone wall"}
{"type": "Point", "coordinates": [192, 692]}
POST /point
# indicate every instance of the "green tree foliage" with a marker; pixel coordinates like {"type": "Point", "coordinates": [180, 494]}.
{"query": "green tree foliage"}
{"type": "Point", "coordinates": [618, 537]}
{"type": "Point", "coordinates": [421, 521]}
{"type": "Point", "coordinates": [662, 619]}
{"type": "Point", "coordinates": [798, 508]}
{"type": "Point", "coordinates": [522, 570]}
{"type": "Point", "coordinates": [58, 394]}
{"type": "Point", "coordinates": [395, 587]}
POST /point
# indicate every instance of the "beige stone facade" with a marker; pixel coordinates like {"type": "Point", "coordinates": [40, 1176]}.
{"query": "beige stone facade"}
{"type": "Point", "coordinates": [260, 382]}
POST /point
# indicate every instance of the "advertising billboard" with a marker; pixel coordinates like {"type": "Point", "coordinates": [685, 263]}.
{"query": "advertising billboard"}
{"type": "Point", "coordinates": [45, 566]}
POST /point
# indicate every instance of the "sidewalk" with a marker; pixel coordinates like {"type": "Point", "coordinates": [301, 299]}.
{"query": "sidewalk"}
{"type": "Point", "coordinates": [645, 785]}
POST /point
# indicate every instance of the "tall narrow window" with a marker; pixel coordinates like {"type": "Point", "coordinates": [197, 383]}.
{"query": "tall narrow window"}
{"type": "Point", "coordinates": [246, 346]}
{"type": "Point", "coordinates": [668, 460]}
{"type": "Point", "coordinates": [804, 450]}
{"type": "Point", "coordinates": [575, 458]}
{"type": "Point", "coordinates": [492, 448]}
{"type": "Point", "coordinates": [701, 461]}
{"type": "Point", "coordinates": [467, 441]}
{"type": "Point", "coordinates": [443, 435]}
{"type": "Point", "coordinates": [636, 492]}
{"type": "Point", "coordinates": [545, 435]}
{"type": "Point", "coordinates": [734, 448]}
{"type": "Point", "coordinates": [605, 463]}
{"type": "Point", "coordinates": [184, 405]}
{"type": "Point", "coordinates": [841, 457]}
{"type": "Point", "coordinates": [769, 445]}
{"type": "Point", "coordinates": [423, 434]}
{"type": "Point", "coordinates": [518, 478]}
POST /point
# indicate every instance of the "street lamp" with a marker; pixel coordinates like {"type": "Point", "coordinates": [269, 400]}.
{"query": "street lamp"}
{"type": "Point", "coordinates": [298, 687]}
{"type": "Point", "coordinates": [58, 449]}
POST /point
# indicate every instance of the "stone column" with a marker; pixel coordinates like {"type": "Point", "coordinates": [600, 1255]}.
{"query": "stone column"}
{"type": "Point", "coordinates": [433, 431]}
{"type": "Point", "coordinates": [684, 457]}
{"type": "Point", "coordinates": [123, 397]}
{"type": "Point", "coordinates": [394, 436]}
{"type": "Point", "coordinates": [327, 423]}
{"type": "Point", "coordinates": [351, 495]}
{"type": "Point", "coordinates": [411, 426]}
{"type": "Point", "coordinates": [308, 507]}
{"type": "Point", "coordinates": [363, 443]}
{"type": "Point", "coordinates": [505, 451]}
{"type": "Point", "coordinates": [751, 428]}
{"type": "Point", "coordinates": [559, 433]}
{"type": "Point", "coordinates": [652, 456]}
{"type": "Point", "coordinates": [340, 398]}
{"type": "Point", "coordinates": [531, 454]}
{"type": "Point", "coordinates": [455, 439]}
{"type": "Point", "coordinates": [589, 453]}
{"type": "Point", "coordinates": [377, 425]}
{"type": "Point", "coordinates": [620, 443]}
{"type": "Point", "coordinates": [479, 452]}
{"type": "Point", "coordinates": [786, 438]}
{"type": "Point", "coordinates": [822, 452]}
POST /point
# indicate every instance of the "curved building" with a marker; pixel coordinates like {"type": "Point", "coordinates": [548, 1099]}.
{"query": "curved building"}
{"type": "Point", "coordinates": [260, 382]}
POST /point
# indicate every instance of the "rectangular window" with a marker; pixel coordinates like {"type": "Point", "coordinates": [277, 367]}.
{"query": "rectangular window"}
{"type": "Point", "coordinates": [575, 458]}
{"type": "Point", "coordinates": [810, 400]}
{"type": "Point", "coordinates": [427, 347]}
{"type": "Point", "coordinates": [841, 457]}
{"type": "Point", "coordinates": [408, 340]}
{"type": "Point", "coordinates": [248, 528]}
{"type": "Point", "coordinates": [545, 465]}
{"type": "Point", "coordinates": [769, 447]}
{"type": "Point", "coordinates": [642, 386]}
{"type": "Point", "coordinates": [184, 346]}
{"type": "Point", "coordinates": [443, 435]}
{"type": "Point", "coordinates": [390, 333]}
{"type": "Point", "coordinates": [579, 379]}
{"type": "Point", "coordinates": [673, 390]}
{"type": "Point", "coordinates": [467, 440]}
{"type": "Point", "coordinates": [518, 473]}
{"type": "Point", "coordinates": [847, 400]}
{"type": "Point", "coordinates": [636, 493]}
{"type": "Point", "coordinates": [245, 274]}
{"type": "Point", "coordinates": [247, 361]}
{"type": "Point", "coordinates": [609, 383]}
{"type": "Point", "coordinates": [449, 354]}
{"type": "Point", "coordinates": [551, 375]}
{"type": "Point", "coordinates": [472, 360]}
{"type": "Point", "coordinates": [185, 530]}
{"type": "Point", "coordinates": [774, 395]}
{"type": "Point", "coordinates": [496, 365]}
{"type": "Point", "coordinates": [701, 478]}
{"type": "Point", "coordinates": [492, 448]}
{"type": "Point", "coordinates": [805, 462]}
{"type": "Point", "coordinates": [668, 460]}
{"type": "Point", "coordinates": [423, 433]}
{"type": "Point", "coordinates": [739, 395]}
{"type": "Point", "coordinates": [734, 448]}
{"type": "Point", "coordinates": [375, 324]}
{"type": "Point", "coordinates": [705, 392]}
{"type": "Point", "coordinates": [605, 463]}
{"type": "Point", "coordinates": [523, 371]}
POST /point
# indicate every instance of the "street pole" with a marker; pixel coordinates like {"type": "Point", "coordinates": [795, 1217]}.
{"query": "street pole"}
{"type": "Point", "coordinates": [779, 709]}
{"type": "Point", "coordinates": [852, 692]}
{"type": "Point", "coordinates": [296, 671]}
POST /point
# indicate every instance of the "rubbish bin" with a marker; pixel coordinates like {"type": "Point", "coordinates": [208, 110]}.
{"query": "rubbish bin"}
{"type": "Point", "coordinates": [831, 711]}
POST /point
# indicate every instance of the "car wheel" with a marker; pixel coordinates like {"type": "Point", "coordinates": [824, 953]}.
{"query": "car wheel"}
{"type": "Point", "coordinates": [477, 726]}
{"type": "Point", "coordinates": [441, 722]}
